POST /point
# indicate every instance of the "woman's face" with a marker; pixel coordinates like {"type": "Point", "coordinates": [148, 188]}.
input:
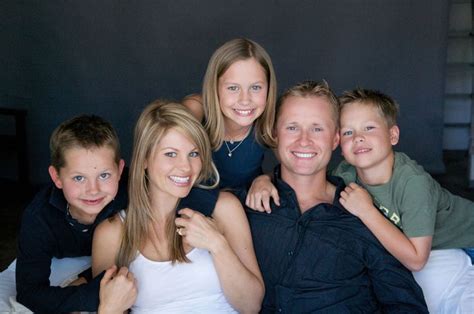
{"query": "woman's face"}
{"type": "Point", "coordinates": [174, 165]}
{"type": "Point", "coordinates": [242, 91]}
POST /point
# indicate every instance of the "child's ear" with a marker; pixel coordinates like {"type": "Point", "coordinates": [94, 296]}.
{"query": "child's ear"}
{"type": "Point", "coordinates": [53, 173]}
{"type": "Point", "coordinates": [121, 166]}
{"type": "Point", "coordinates": [394, 135]}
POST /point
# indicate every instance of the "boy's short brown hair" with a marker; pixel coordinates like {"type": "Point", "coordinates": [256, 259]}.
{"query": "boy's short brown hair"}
{"type": "Point", "coordinates": [387, 107]}
{"type": "Point", "coordinates": [311, 89]}
{"type": "Point", "coordinates": [84, 131]}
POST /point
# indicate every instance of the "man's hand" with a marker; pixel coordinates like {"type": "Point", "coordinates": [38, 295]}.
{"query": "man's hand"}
{"type": "Point", "coordinates": [118, 291]}
{"type": "Point", "coordinates": [260, 192]}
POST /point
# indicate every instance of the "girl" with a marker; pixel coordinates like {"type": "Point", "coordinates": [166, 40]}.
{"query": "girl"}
{"type": "Point", "coordinates": [189, 263]}
{"type": "Point", "coordinates": [238, 108]}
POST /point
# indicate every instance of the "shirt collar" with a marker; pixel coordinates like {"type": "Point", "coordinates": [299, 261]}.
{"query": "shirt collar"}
{"type": "Point", "coordinates": [290, 194]}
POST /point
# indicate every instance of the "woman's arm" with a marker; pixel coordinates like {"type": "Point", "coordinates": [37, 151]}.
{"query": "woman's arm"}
{"type": "Point", "coordinates": [411, 252]}
{"type": "Point", "coordinates": [118, 287]}
{"type": "Point", "coordinates": [228, 238]}
{"type": "Point", "coordinates": [194, 103]}
{"type": "Point", "coordinates": [106, 244]}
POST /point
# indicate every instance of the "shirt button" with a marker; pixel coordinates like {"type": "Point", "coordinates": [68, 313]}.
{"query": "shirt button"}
{"type": "Point", "coordinates": [279, 310]}
{"type": "Point", "coordinates": [290, 253]}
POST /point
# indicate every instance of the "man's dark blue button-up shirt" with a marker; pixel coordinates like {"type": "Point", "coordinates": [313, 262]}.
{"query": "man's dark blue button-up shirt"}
{"type": "Point", "coordinates": [325, 260]}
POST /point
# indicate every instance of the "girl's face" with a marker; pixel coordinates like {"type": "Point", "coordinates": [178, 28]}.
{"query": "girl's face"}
{"type": "Point", "coordinates": [174, 165]}
{"type": "Point", "coordinates": [242, 93]}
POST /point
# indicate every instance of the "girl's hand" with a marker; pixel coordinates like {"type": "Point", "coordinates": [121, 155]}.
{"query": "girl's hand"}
{"type": "Point", "coordinates": [258, 197]}
{"type": "Point", "coordinates": [198, 230]}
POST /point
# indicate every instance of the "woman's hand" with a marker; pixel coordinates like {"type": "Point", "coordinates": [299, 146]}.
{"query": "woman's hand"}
{"type": "Point", "coordinates": [198, 230]}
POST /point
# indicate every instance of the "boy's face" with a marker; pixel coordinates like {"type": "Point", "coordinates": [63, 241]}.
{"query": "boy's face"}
{"type": "Point", "coordinates": [89, 181]}
{"type": "Point", "coordinates": [306, 136]}
{"type": "Point", "coordinates": [366, 139]}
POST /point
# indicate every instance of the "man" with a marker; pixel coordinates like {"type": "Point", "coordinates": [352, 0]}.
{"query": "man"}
{"type": "Point", "coordinates": [313, 254]}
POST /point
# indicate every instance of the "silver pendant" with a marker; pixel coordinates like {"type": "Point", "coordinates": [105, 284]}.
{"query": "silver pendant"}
{"type": "Point", "coordinates": [229, 154]}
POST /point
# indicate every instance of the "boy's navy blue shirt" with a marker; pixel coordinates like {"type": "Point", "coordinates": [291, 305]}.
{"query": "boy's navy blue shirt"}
{"type": "Point", "coordinates": [326, 260]}
{"type": "Point", "coordinates": [48, 231]}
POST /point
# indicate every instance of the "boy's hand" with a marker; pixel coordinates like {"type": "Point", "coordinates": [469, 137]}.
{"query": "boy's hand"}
{"type": "Point", "coordinates": [118, 291]}
{"type": "Point", "coordinates": [79, 281]}
{"type": "Point", "coordinates": [258, 197]}
{"type": "Point", "coordinates": [356, 200]}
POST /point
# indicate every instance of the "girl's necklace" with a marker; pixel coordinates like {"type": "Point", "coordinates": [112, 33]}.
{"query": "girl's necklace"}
{"type": "Point", "coordinates": [229, 150]}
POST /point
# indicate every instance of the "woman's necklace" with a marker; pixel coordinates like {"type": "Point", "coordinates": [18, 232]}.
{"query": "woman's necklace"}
{"type": "Point", "coordinates": [229, 150]}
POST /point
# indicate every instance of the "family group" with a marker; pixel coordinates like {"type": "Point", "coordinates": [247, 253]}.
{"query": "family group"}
{"type": "Point", "coordinates": [192, 224]}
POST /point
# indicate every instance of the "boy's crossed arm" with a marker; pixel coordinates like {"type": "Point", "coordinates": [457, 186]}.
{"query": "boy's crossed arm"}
{"type": "Point", "coordinates": [411, 252]}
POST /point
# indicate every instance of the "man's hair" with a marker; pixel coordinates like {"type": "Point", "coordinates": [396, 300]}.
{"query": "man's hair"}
{"type": "Point", "coordinates": [230, 52]}
{"type": "Point", "coordinates": [84, 131]}
{"type": "Point", "coordinates": [387, 107]}
{"type": "Point", "coordinates": [308, 89]}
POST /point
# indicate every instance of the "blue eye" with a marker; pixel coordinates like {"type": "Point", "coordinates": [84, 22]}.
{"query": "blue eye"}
{"type": "Point", "coordinates": [317, 129]}
{"type": "Point", "coordinates": [78, 178]}
{"type": "Point", "coordinates": [256, 87]}
{"type": "Point", "coordinates": [346, 133]}
{"type": "Point", "coordinates": [194, 154]}
{"type": "Point", "coordinates": [171, 154]}
{"type": "Point", "coordinates": [104, 176]}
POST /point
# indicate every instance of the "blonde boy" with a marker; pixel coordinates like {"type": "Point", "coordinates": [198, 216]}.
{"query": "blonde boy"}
{"type": "Point", "coordinates": [407, 210]}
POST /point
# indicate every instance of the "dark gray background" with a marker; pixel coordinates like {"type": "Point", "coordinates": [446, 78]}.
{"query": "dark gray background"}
{"type": "Point", "coordinates": [111, 58]}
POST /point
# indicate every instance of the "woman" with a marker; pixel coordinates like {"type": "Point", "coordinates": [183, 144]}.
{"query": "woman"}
{"type": "Point", "coordinates": [182, 263]}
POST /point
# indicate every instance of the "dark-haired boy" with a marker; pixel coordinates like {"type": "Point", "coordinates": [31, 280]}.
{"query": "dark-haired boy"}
{"type": "Point", "coordinates": [85, 169]}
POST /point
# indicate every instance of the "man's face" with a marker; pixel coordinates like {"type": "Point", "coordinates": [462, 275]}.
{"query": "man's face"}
{"type": "Point", "coordinates": [306, 136]}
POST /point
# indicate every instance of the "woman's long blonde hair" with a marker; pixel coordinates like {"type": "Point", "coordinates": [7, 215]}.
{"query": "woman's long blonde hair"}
{"type": "Point", "coordinates": [154, 122]}
{"type": "Point", "coordinates": [229, 53]}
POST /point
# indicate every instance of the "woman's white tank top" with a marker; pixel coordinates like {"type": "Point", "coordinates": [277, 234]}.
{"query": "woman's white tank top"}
{"type": "Point", "coordinates": [180, 288]}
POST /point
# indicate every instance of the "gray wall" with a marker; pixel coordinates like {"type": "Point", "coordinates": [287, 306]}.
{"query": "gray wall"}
{"type": "Point", "coordinates": [62, 58]}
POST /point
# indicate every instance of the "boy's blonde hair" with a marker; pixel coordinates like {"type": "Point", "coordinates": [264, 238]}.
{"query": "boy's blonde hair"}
{"type": "Point", "coordinates": [84, 131]}
{"type": "Point", "coordinates": [386, 106]}
{"type": "Point", "coordinates": [308, 89]}
{"type": "Point", "coordinates": [230, 52]}
{"type": "Point", "coordinates": [155, 121]}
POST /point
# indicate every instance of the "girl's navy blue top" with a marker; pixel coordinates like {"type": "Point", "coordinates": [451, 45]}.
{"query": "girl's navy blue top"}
{"type": "Point", "coordinates": [245, 164]}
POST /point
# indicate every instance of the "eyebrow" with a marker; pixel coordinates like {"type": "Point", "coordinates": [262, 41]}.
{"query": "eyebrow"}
{"type": "Point", "coordinates": [173, 148]}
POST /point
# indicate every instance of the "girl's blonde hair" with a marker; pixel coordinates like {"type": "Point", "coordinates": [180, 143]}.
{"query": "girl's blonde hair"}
{"type": "Point", "coordinates": [155, 121]}
{"type": "Point", "coordinates": [232, 51]}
